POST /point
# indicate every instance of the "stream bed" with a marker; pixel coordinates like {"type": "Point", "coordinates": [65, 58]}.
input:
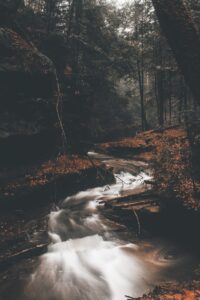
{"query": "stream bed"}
{"type": "Point", "coordinates": [91, 257]}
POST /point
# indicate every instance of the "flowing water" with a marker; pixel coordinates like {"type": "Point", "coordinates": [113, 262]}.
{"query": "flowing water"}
{"type": "Point", "coordinates": [93, 258]}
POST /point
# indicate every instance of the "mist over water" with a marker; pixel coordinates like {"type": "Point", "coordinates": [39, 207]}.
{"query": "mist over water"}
{"type": "Point", "coordinates": [87, 259]}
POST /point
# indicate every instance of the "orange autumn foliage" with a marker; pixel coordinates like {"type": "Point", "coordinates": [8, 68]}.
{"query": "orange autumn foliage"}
{"type": "Point", "coordinates": [62, 165]}
{"type": "Point", "coordinates": [170, 155]}
{"type": "Point", "coordinates": [185, 294]}
{"type": "Point", "coordinates": [46, 173]}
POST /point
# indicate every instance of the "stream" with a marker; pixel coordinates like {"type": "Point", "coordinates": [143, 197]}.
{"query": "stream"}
{"type": "Point", "coordinates": [91, 257]}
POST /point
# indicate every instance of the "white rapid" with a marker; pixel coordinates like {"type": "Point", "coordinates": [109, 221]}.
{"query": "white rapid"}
{"type": "Point", "coordinates": [87, 259]}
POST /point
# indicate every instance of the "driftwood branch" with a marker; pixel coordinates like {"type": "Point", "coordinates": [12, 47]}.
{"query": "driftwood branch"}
{"type": "Point", "coordinates": [23, 254]}
{"type": "Point", "coordinates": [138, 222]}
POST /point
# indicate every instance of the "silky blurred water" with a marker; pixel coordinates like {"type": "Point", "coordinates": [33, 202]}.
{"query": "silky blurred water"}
{"type": "Point", "coordinates": [87, 259]}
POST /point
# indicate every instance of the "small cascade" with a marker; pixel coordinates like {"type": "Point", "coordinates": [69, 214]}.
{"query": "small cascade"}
{"type": "Point", "coordinates": [87, 259]}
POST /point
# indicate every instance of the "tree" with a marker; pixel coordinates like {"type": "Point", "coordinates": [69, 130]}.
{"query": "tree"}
{"type": "Point", "coordinates": [137, 16]}
{"type": "Point", "coordinates": [182, 35]}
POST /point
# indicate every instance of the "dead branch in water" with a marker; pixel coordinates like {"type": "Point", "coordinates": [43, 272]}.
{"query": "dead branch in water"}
{"type": "Point", "coordinates": [123, 182]}
{"type": "Point", "coordinates": [138, 222]}
{"type": "Point", "coordinates": [30, 252]}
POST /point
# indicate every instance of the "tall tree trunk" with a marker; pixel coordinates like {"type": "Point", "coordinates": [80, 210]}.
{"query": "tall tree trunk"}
{"type": "Point", "coordinates": [180, 31]}
{"type": "Point", "coordinates": [140, 69]}
{"type": "Point", "coordinates": [141, 89]}
{"type": "Point", "coordinates": [160, 98]}
{"type": "Point", "coordinates": [185, 104]}
{"type": "Point", "coordinates": [170, 97]}
{"type": "Point", "coordinates": [71, 12]}
{"type": "Point", "coordinates": [78, 6]}
{"type": "Point", "coordinates": [160, 83]}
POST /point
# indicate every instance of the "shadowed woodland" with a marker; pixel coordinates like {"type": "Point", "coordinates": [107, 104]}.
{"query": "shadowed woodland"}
{"type": "Point", "coordinates": [90, 91]}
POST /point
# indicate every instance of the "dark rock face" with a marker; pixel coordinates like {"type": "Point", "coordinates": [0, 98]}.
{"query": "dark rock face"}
{"type": "Point", "coordinates": [8, 8]}
{"type": "Point", "coordinates": [24, 71]}
{"type": "Point", "coordinates": [27, 85]}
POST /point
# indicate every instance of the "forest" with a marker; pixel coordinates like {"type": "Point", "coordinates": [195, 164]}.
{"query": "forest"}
{"type": "Point", "coordinates": [99, 149]}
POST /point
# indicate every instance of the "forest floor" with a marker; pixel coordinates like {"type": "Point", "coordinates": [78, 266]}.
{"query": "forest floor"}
{"type": "Point", "coordinates": [19, 184]}
{"type": "Point", "coordinates": [172, 291]}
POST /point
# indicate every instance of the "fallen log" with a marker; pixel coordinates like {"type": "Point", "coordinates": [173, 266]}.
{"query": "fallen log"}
{"type": "Point", "coordinates": [33, 251]}
{"type": "Point", "coordinates": [139, 198]}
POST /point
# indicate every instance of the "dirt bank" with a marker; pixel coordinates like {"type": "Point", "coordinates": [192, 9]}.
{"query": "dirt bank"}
{"type": "Point", "coordinates": [31, 185]}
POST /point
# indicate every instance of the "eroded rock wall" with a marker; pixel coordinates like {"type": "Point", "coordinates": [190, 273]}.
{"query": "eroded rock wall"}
{"type": "Point", "coordinates": [27, 88]}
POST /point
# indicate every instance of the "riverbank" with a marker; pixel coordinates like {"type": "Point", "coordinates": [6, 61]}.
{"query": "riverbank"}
{"type": "Point", "coordinates": [125, 203]}
{"type": "Point", "coordinates": [28, 194]}
{"type": "Point", "coordinates": [172, 158]}
{"type": "Point", "coordinates": [31, 184]}
{"type": "Point", "coordinates": [175, 291]}
{"type": "Point", "coordinates": [39, 191]}
{"type": "Point", "coordinates": [176, 186]}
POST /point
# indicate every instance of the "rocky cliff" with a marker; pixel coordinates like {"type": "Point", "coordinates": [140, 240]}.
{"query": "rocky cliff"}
{"type": "Point", "coordinates": [27, 87]}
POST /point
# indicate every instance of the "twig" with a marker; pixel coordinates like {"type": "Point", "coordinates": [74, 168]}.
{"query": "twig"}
{"type": "Point", "coordinates": [59, 116]}
{"type": "Point", "coordinates": [123, 182]}
{"type": "Point", "coordinates": [107, 187]}
{"type": "Point", "coordinates": [138, 222]}
{"type": "Point", "coordinates": [58, 102]}
{"type": "Point", "coordinates": [30, 252]}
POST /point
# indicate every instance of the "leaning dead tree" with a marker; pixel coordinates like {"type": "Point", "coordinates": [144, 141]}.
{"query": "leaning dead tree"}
{"type": "Point", "coordinates": [183, 37]}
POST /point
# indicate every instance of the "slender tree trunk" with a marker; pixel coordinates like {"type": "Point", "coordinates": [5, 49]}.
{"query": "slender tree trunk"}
{"type": "Point", "coordinates": [156, 92]}
{"type": "Point", "coordinates": [140, 70]}
{"type": "Point", "coordinates": [185, 104]}
{"type": "Point", "coordinates": [71, 13]}
{"type": "Point", "coordinates": [141, 89]}
{"type": "Point", "coordinates": [50, 8]}
{"type": "Point", "coordinates": [160, 98]}
{"type": "Point", "coordinates": [76, 46]}
{"type": "Point", "coordinates": [160, 83]}
{"type": "Point", "coordinates": [170, 99]}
